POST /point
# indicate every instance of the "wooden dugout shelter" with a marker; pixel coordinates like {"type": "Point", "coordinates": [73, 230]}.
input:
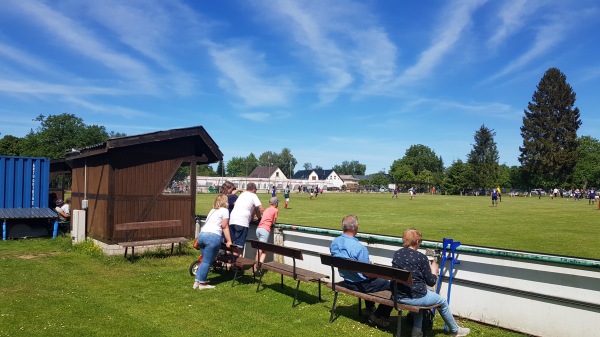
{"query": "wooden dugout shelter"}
{"type": "Point", "coordinates": [123, 180]}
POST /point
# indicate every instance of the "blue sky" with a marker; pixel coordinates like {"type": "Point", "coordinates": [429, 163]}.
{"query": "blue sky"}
{"type": "Point", "coordinates": [331, 80]}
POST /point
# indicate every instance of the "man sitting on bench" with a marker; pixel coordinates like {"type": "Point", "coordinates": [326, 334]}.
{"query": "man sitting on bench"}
{"type": "Point", "coordinates": [423, 274]}
{"type": "Point", "coordinates": [347, 246]}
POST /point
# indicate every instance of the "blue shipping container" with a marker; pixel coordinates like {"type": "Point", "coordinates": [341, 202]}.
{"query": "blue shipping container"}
{"type": "Point", "coordinates": [24, 182]}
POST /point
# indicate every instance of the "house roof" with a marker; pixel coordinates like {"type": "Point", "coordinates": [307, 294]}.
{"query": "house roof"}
{"type": "Point", "coordinates": [304, 174]}
{"type": "Point", "coordinates": [323, 174]}
{"type": "Point", "coordinates": [263, 171]}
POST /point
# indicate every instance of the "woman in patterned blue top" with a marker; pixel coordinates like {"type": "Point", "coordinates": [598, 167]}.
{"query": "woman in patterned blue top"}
{"type": "Point", "coordinates": [423, 274]}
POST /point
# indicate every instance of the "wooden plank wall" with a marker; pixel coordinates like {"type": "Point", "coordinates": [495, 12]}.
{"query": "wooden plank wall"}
{"type": "Point", "coordinates": [138, 197]}
{"type": "Point", "coordinates": [97, 195]}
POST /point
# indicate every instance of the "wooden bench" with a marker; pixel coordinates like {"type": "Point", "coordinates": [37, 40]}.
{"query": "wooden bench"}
{"type": "Point", "coordinates": [239, 263]}
{"type": "Point", "coordinates": [131, 227]}
{"type": "Point", "coordinates": [296, 273]}
{"type": "Point", "coordinates": [385, 297]}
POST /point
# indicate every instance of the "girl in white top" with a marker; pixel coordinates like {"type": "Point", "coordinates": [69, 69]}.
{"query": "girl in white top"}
{"type": "Point", "coordinates": [209, 239]}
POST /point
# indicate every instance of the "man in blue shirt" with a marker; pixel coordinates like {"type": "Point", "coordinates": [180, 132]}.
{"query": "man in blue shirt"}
{"type": "Point", "coordinates": [347, 246]}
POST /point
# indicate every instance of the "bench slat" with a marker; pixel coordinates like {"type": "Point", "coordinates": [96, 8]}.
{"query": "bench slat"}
{"type": "Point", "coordinates": [298, 274]}
{"type": "Point", "coordinates": [287, 270]}
{"type": "Point", "coordinates": [382, 297]}
{"type": "Point", "coordinates": [148, 224]}
{"type": "Point", "coordinates": [153, 242]}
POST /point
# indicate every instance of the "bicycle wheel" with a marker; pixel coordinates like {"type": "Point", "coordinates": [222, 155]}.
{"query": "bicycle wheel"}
{"type": "Point", "coordinates": [194, 267]}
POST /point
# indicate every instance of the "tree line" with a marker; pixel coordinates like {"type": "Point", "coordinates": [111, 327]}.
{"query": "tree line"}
{"type": "Point", "coordinates": [551, 156]}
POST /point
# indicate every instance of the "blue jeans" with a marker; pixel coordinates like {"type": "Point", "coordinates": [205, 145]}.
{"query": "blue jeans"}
{"type": "Point", "coordinates": [209, 246]}
{"type": "Point", "coordinates": [430, 299]}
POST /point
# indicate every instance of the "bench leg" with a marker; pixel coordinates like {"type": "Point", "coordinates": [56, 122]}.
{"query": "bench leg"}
{"type": "Point", "coordinates": [235, 272]}
{"type": "Point", "coordinates": [172, 246]}
{"type": "Point", "coordinates": [281, 281]}
{"type": "Point", "coordinates": [125, 256]}
{"type": "Point", "coordinates": [399, 326]}
{"type": "Point", "coordinates": [427, 321]}
{"type": "Point", "coordinates": [333, 307]}
{"type": "Point", "coordinates": [259, 280]}
{"type": "Point", "coordinates": [359, 307]}
{"type": "Point", "coordinates": [296, 293]}
{"type": "Point", "coordinates": [319, 290]}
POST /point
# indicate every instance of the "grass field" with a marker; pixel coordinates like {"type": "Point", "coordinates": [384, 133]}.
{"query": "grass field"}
{"type": "Point", "coordinates": [50, 288]}
{"type": "Point", "coordinates": [546, 225]}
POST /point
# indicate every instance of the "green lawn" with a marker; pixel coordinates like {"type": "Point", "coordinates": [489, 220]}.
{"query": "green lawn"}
{"type": "Point", "coordinates": [48, 288]}
{"type": "Point", "coordinates": [553, 226]}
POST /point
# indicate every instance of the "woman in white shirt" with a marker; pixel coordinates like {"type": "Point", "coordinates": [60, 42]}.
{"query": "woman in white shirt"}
{"type": "Point", "coordinates": [209, 239]}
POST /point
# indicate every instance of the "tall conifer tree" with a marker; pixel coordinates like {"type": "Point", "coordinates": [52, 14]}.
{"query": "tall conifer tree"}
{"type": "Point", "coordinates": [549, 131]}
{"type": "Point", "coordinates": [484, 158]}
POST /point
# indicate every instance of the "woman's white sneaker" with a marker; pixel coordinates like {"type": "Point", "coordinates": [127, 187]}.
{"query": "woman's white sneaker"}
{"type": "Point", "coordinates": [461, 332]}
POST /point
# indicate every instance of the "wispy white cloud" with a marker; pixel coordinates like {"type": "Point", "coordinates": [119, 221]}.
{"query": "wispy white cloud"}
{"type": "Point", "coordinates": [107, 109]}
{"type": "Point", "coordinates": [81, 40]}
{"type": "Point", "coordinates": [256, 116]}
{"type": "Point", "coordinates": [513, 16]}
{"type": "Point", "coordinates": [452, 26]}
{"type": "Point", "coordinates": [245, 75]}
{"type": "Point", "coordinates": [25, 60]}
{"type": "Point", "coordinates": [547, 37]}
{"type": "Point", "coordinates": [344, 44]}
{"type": "Point", "coordinates": [150, 27]}
{"type": "Point", "coordinates": [41, 88]}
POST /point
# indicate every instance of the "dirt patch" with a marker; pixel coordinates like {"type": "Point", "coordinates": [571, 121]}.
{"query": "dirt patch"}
{"type": "Point", "coordinates": [36, 256]}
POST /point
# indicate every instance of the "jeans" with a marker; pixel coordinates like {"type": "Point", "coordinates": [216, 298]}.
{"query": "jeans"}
{"type": "Point", "coordinates": [430, 299]}
{"type": "Point", "coordinates": [209, 246]}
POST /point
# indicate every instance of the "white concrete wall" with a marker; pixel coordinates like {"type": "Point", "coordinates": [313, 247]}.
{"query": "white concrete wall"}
{"type": "Point", "coordinates": [540, 298]}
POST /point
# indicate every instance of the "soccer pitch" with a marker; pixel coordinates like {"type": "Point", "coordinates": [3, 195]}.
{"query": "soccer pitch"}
{"type": "Point", "coordinates": [552, 226]}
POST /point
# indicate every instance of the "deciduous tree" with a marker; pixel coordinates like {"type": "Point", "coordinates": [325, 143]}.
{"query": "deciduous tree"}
{"type": "Point", "coordinates": [350, 167]}
{"type": "Point", "coordinates": [588, 163]}
{"type": "Point", "coordinates": [458, 178]}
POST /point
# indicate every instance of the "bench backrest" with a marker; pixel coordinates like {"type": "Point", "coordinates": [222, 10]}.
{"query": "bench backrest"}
{"type": "Point", "coordinates": [294, 253]}
{"type": "Point", "coordinates": [372, 270]}
{"type": "Point", "coordinates": [232, 249]}
{"type": "Point", "coordinates": [147, 224]}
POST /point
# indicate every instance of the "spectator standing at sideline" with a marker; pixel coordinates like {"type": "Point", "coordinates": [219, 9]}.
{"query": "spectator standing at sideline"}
{"type": "Point", "coordinates": [209, 239]}
{"type": "Point", "coordinates": [347, 246]}
{"type": "Point", "coordinates": [263, 230]}
{"type": "Point", "coordinates": [240, 218]}
{"type": "Point", "coordinates": [229, 189]}
{"type": "Point", "coordinates": [273, 191]}
{"type": "Point", "coordinates": [424, 274]}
